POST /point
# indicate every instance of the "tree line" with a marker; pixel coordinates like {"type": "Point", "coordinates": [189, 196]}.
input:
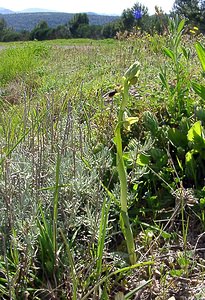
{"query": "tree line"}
{"type": "Point", "coordinates": [135, 17]}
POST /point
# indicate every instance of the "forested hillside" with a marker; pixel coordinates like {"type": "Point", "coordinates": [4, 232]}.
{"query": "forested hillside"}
{"type": "Point", "coordinates": [19, 21]}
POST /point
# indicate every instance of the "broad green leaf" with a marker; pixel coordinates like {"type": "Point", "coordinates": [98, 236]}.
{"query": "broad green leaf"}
{"type": "Point", "coordinates": [201, 54]}
{"type": "Point", "coordinates": [169, 53]}
{"type": "Point", "coordinates": [181, 26]}
{"type": "Point", "coordinates": [196, 137]}
{"type": "Point", "coordinates": [195, 132]}
{"type": "Point", "coordinates": [142, 159]}
{"type": "Point", "coordinates": [190, 165]}
{"type": "Point", "coordinates": [177, 138]}
{"type": "Point", "coordinates": [159, 157]}
{"type": "Point", "coordinates": [199, 89]}
{"type": "Point", "coordinates": [188, 157]}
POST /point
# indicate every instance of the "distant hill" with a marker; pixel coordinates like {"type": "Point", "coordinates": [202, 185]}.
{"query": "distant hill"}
{"type": "Point", "coordinates": [4, 11]}
{"type": "Point", "coordinates": [27, 21]}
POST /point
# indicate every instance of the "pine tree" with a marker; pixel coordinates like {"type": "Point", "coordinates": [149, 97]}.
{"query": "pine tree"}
{"type": "Point", "coordinates": [189, 9]}
{"type": "Point", "coordinates": [192, 10]}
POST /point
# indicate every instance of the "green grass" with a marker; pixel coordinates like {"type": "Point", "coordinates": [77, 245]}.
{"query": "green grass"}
{"type": "Point", "coordinates": [62, 190]}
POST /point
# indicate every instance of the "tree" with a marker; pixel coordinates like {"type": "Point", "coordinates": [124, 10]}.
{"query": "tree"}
{"type": "Point", "coordinates": [134, 16]}
{"type": "Point", "coordinates": [3, 24]}
{"type": "Point", "coordinates": [61, 32]}
{"type": "Point", "coordinates": [41, 31]}
{"type": "Point", "coordinates": [95, 31]}
{"type": "Point", "coordinates": [76, 22]}
{"type": "Point", "coordinates": [127, 19]}
{"type": "Point", "coordinates": [7, 34]}
{"type": "Point", "coordinates": [3, 27]}
{"type": "Point", "coordinates": [10, 36]}
{"type": "Point", "coordinates": [190, 9]}
{"type": "Point", "coordinates": [109, 30]}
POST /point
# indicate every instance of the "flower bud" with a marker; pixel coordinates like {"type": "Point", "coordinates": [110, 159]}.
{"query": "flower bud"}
{"type": "Point", "coordinates": [132, 71]}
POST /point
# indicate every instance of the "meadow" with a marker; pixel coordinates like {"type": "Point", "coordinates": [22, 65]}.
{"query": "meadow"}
{"type": "Point", "coordinates": [102, 151]}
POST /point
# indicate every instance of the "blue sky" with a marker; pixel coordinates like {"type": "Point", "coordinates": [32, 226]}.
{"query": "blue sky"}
{"type": "Point", "coordinates": [98, 6]}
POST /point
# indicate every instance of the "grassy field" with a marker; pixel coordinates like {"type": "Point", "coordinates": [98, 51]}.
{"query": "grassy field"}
{"type": "Point", "coordinates": [102, 168]}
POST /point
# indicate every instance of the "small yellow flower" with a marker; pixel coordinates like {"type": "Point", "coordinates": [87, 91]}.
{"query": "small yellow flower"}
{"type": "Point", "coordinates": [196, 28]}
{"type": "Point", "coordinates": [192, 31]}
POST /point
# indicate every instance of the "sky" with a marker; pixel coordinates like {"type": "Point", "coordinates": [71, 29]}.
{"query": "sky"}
{"type": "Point", "coordinates": [75, 6]}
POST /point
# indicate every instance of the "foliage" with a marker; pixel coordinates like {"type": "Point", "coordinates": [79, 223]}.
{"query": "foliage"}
{"type": "Point", "coordinates": [78, 25]}
{"type": "Point", "coordinates": [40, 32]}
{"type": "Point", "coordinates": [60, 32]}
{"type": "Point", "coordinates": [109, 30]}
{"type": "Point", "coordinates": [7, 34]}
{"type": "Point", "coordinates": [129, 19]}
{"type": "Point", "coordinates": [193, 10]}
{"type": "Point", "coordinates": [70, 193]}
{"type": "Point", "coordinates": [20, 21]}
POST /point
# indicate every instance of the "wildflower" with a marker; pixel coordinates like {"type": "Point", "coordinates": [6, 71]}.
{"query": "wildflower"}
{"type": "Point", "coordinates": [137, 14]}
{"type": "Point", "coordinates": [132, 72]}
{"type": "Point", "coordinates": [192, 31]}
{"type": "Point", "coordinates": [196, 28]}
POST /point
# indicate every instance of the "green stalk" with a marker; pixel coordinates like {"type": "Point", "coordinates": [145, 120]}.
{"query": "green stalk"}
{"type": "Point", "coordinates": [102, 234]}
{"type": "Point", "coordinates": [72, 267]}
{"type": "Point", "coordinates": [129, 78]}
{"type": "Point", "coordinates": [55, 207]}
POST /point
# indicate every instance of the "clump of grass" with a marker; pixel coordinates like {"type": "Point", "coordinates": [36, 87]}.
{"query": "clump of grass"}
{"type": "Point", "coordinates": [20, 61]}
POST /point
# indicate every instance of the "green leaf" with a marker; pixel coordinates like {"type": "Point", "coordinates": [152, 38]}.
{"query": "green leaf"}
{"type": "Point", "coordinates": [169, 53]}
{"type": "Point", "coordinates": [195, 130]}
{"type": "Point", "coordinates": [195, 136]}
{"type": "Point", "coordinates": [177, 138]}
{"type": "Point", "coordinates": [200, 114]}
{"type": "Point", "coordinates": [163, 79]}
{"type": "Point", "coordinates": [180, 164]}
{"type": "Point", "coordinates": [176, 273]}
{"type": "Point", "coordinates": [150, 122]}
{"type": "Point", "coordinates": [199, 89]}
{"type": "Point", "coordinates": [181, 26]}
{"type": "Point", "coordinates": [186, 52]}
{"type": "Point", "coordinates": [142, 159]}
{"type": "Point", "coordinates": [190, 165]}
{"type": "Point", "coordinates": [201, 54]}
{"type": "Point", "coordinates": [102, 233]}
{"type": "Point", "coordinates": [127, 232]}
{"type": "Point", "coordinates": [159, 158]}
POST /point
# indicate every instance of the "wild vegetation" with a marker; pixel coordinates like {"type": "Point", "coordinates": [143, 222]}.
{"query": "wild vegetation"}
{"type": "Point", "coordinates": [102, 167]}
